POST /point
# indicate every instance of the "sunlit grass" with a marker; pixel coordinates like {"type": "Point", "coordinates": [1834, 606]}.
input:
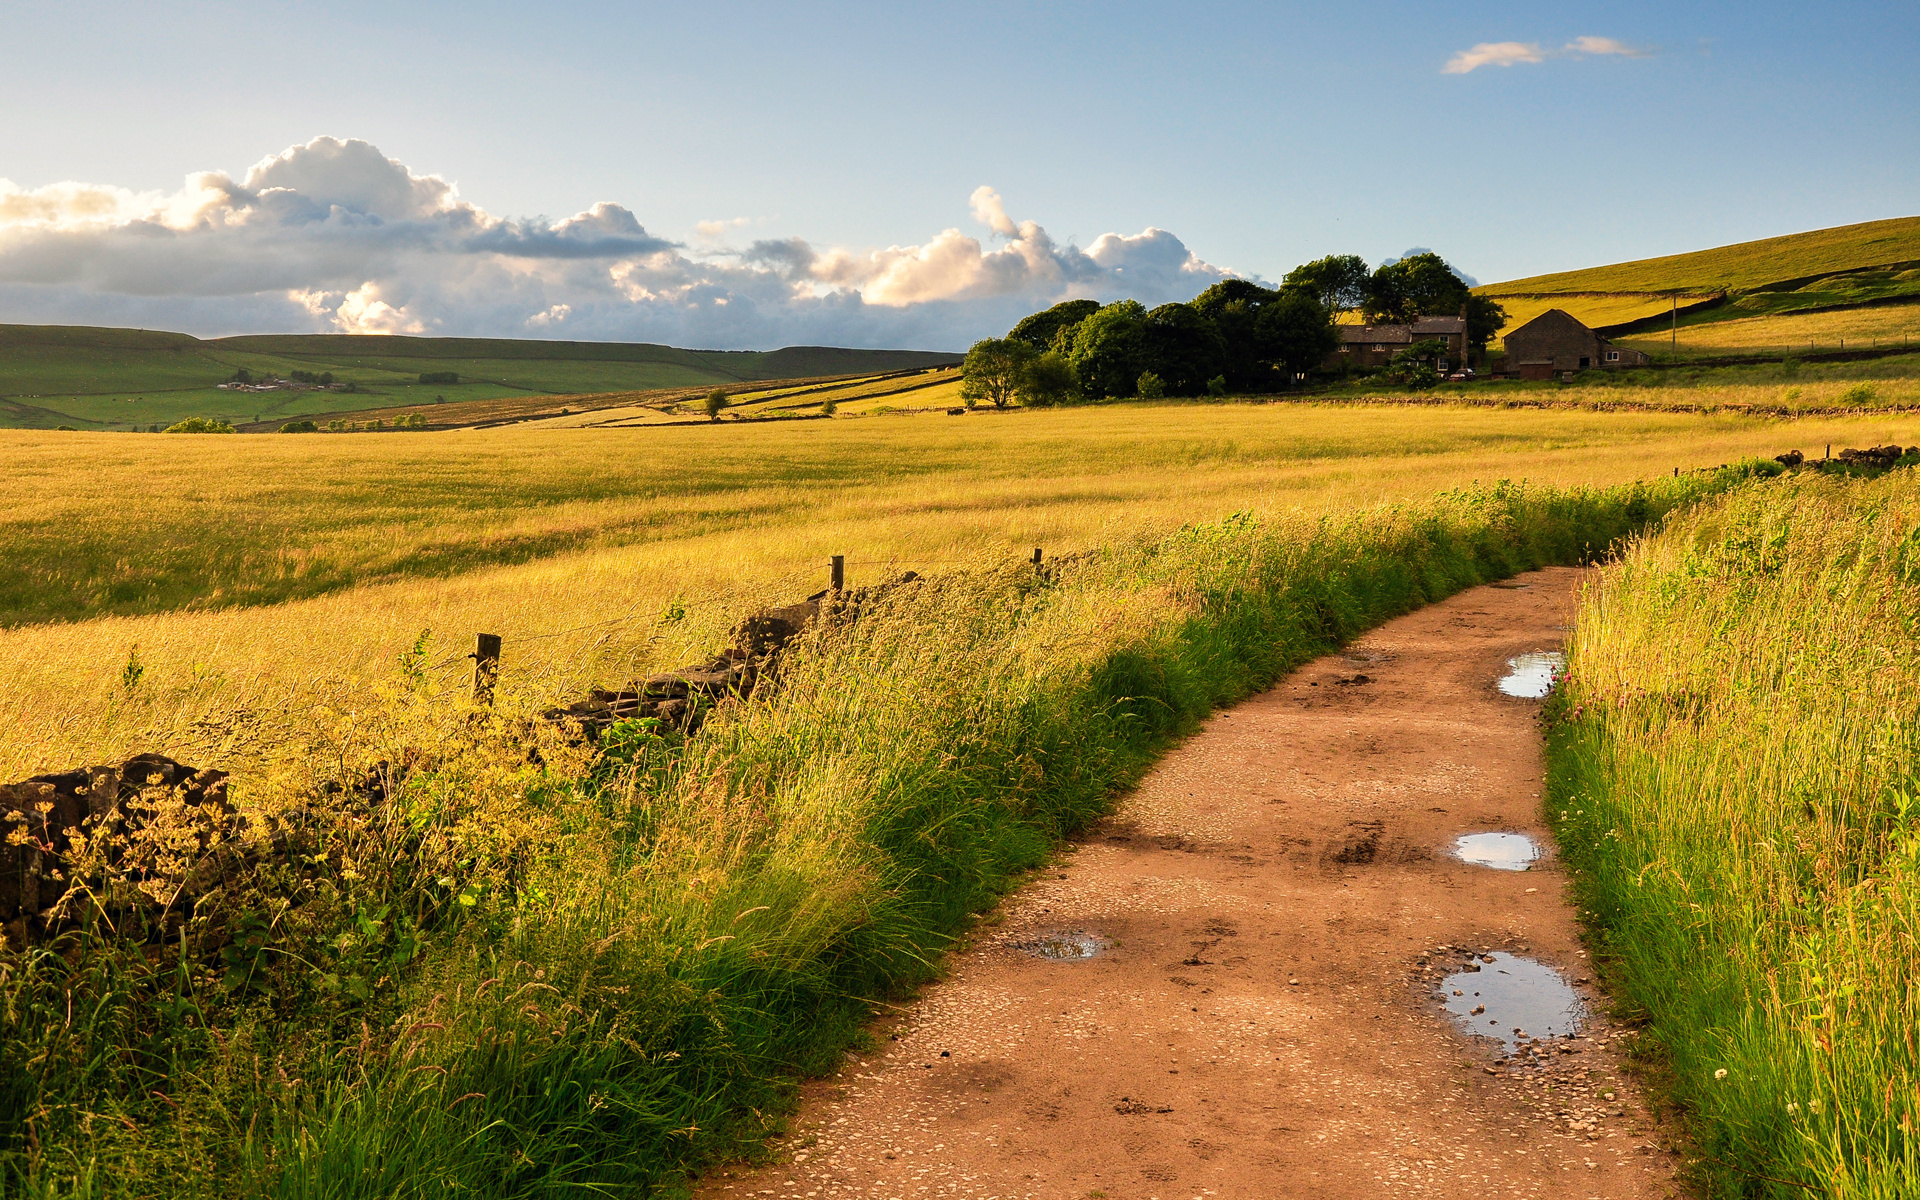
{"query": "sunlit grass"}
{"type": "Point", "coordinates": [290, 570]}
{"type": "Point", "coordinates": [1785, 334]}
{"type": "Point", "coordinates": [1738, 789]}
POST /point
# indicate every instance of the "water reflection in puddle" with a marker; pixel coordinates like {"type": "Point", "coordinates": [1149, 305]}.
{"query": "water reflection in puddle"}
{"type": "Point", "coordinates": [1501, 851]}
{"type": "Point", "coordinates": [1064, 945]}
{"type": "Point", "coordinates": [1532, 675]}
{"type": "Point", "coordinates": [1507, 997]}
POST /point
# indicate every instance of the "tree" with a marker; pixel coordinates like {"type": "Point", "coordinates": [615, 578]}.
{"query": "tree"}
{"type": "Point", "coordinates": [299, 427]}
{"type": "Point", "coordinates": [1048, 381]}
{"type": "Point", "coordinates": [1423, 285]}
{"type": "Point", "coordinates": [1184, 349]}
{"type": "Point", "coordinates": [199, 425]}
{"type": "Point", "coordinates": [716, 400]}
{"type": "Point", "coordinates": [1234, 306]}
{"type": "Point", "coordinates": [1414, 367]}
{"type": "Point", "coordinates": [993, 370]}
{"type": "Point", "coordinates": [1485, 318]}
{"type": "Point", "coordinates": [1295, 332]}
{"type": "Point", "coordinates": [1053, 329]}
{"type": "Point", "coordinates": [1150, 386]}
{"type": "Point", "coordinates": [1338, 281]}
{"type": "Point", "coordinates": [1110, 349]}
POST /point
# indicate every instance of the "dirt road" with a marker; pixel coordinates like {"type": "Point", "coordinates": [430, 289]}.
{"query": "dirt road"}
{"type": "Point", "coordinates": [1271, 916]}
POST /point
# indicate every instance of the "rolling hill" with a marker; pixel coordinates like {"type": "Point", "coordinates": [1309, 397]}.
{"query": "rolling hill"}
{"type": "Point", "coordinates": [1869, 265]}
{"type": "Point", "coordinates": [98, 378]}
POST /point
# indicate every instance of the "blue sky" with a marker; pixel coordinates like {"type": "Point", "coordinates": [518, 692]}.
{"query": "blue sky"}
{"type": "Point", "coordinates": [1257, 136]}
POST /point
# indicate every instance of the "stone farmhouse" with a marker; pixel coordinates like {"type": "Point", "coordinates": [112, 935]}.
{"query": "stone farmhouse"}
{"type": "Point", "coordinates": [1556, 342]}
{"type": "Point", "coordinates": [1375, 345]}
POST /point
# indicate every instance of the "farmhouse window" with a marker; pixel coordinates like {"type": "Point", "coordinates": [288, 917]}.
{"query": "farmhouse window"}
{"type": "Point", "coordinates": [1613, 356]}
{"type": "Point", "coordinates": [1379, 349]}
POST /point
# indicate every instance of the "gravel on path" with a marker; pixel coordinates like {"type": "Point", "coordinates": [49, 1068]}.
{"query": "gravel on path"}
{"type": "Point", "coordinates": [1231, 987]}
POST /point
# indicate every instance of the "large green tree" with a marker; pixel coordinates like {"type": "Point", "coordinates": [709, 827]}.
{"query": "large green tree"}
{"type": "Point", "coordinates": [1296, 332]}
{"type": "Point", "coordinates": [1053, 329]}
{"type": "Point", "coordinates": [1048, 380]}
{"type": "Point", "coordinates": [1234, 305]}
{"type": "Point", "coordinates": [1338, 281]}
{"type": "Point", "coordinates": [1110, 349]}
{"type": "Point", "coordinates": [1184, 348]}
{"type": "Point", "coordinates": [1485, 318]}
{"type": "Point", "coordinates": [993, 370]}
{"type": "Point", "coordinates": [1417, 286]}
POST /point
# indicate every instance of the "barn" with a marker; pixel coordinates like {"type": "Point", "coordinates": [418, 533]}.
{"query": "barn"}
{"type": "Point", "coordinates": [1555, 342]}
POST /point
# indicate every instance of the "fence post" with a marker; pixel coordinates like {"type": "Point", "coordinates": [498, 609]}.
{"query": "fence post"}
{"type": "Point", "coordinates": [486, 666]}
{"type": "Point", "coordinates": [1036, 558]}
{"type": "Point", "coordinates": [839, 572]}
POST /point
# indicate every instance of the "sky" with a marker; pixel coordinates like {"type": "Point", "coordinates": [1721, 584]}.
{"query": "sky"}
{"type": "Point", "coordinates": [745, 175]}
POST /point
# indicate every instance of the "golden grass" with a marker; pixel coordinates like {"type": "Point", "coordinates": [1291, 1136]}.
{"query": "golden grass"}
{"type": "Point", "coordinates": [706, 521]}
{"type": "Point", "coordinates": [1792, 333]}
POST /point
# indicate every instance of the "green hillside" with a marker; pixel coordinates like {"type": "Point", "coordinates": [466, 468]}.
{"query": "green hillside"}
{"type": "Point", "coordinates": [1742, 267]}
{"type": "Point", "coordinates": [1863, 266]}
{"type": "Point", "coordinates": [96, 378]}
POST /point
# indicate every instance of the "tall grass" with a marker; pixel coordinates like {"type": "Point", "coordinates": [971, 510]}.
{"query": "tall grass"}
{"type": "Point", "coordinates": [534, 975]}
{"type": "Point", "coordinates": [1736, 783]}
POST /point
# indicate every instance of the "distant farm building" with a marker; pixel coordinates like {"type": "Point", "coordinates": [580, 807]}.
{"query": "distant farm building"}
{"type": "Point", "coordinates": [1556, 341]}
{"type": "Point", "coordinates": [1375, 345]}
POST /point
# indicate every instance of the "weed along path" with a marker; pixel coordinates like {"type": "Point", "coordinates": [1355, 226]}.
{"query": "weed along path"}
{"type": "Point", "coordinates": [1253, 980]}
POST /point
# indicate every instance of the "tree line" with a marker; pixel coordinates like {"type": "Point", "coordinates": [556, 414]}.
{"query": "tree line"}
{"type": "Point", "coordinates": [1236, 336]}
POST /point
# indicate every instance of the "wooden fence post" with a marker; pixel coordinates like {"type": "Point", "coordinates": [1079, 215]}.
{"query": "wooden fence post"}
{"type": "Point", "coordinates": [486, 666]}
{"type": "Point", "coordinates": [1036, 558]}
{"type": "Point", "coordinates": [839, 572]}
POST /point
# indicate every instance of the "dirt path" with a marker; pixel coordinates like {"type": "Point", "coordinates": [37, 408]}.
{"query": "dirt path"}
{"type": "Point", "coordinates": [1281, 906]}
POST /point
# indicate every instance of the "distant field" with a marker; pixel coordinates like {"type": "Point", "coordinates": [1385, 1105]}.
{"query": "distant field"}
{"type": "Point", "coordinates": [121, 379]}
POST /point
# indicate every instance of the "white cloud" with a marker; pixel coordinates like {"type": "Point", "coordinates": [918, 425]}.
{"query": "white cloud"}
{"type": "Point", "coordinates": [1506, 54]}
{"type": "Point", "coordinates": [1493, 54]}
{"type": "Point", "coordinates": [335, 236]}
{"type": "Point", "coordinates": [1600, 45]}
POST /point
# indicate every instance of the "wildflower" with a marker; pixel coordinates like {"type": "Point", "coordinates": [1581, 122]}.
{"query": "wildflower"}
{"type": "Point", "coordinates": [1720, 1074]}
{"type": "Point", "coordinates": [1793, 1108]}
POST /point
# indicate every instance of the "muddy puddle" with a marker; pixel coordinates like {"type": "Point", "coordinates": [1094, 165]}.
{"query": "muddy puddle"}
{"type": "Point", "coordinates": [1513, 999]}
{"type": "Point", "coordinates": [1064, 945]}
{"type": "Point", "coordinates": [1531, 676]}
{"type": "Point", "coordinates": [1501, 851]}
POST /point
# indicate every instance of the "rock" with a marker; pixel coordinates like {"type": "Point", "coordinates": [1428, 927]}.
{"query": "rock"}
{"type": "Point", "coordinates": [1791, 458]}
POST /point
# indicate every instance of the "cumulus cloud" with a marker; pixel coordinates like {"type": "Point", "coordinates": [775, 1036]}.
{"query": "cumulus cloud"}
{"type": "Point", "coordinates": [1493, 54]}
{"type": "Point", "coordinates": [335, 236]}
{"type": "Point", "coordinates": [1507, 54]}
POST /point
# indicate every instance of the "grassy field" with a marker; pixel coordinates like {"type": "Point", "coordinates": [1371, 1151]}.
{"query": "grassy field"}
{"type": "Point", "coordinates": [1736, 781]}
{"type": "Point", "coordinates": [1851, 266]}
{"type": "Point", "coordinates": [1742, 267]}
{"type": "Point", "coordinates": [117, 379]}
{"type": "Point", "coordinates": [1788, 388]}
{"type": "Point", "coordinates": [267, 575]}
{"type": "Point", "coordinates": [1744, 334]}
{"type": "Point", "coordinates": [536, 976]}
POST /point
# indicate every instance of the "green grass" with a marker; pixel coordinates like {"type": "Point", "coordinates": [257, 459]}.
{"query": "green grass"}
{"type": "Point", "coordinates": [656, 952]}
{"type": "Point", "coordinates": [1735, 781]}
{"type": "Point", "coordinates": [1742, 267]}
{"type": "Point", "coordinates": [117, 378]}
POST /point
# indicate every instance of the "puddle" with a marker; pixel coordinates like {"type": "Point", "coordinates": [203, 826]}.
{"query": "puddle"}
{"type": "Point", "coordinates": [1512, 998]}
{"type": "Point", "coordinates": [1064, 945]}
{"type": "Point", "coordinates": [1533, 674]}
{"type": "Point", "coordinates": [1501, 851]}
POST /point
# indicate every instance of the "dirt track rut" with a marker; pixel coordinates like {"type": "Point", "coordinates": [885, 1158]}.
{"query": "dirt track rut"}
{"type": "Point", "coordinates": [1265, 1021]}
